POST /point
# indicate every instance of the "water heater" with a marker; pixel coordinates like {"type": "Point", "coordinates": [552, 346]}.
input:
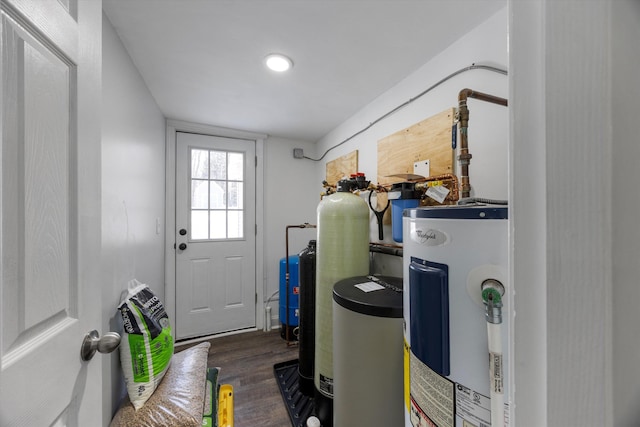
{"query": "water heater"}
{"type": "Point", "coordinates": [456, 323]}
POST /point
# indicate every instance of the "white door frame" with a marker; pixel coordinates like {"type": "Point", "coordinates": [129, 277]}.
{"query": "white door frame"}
{"type": "Point", "coordinates": [174, 126]}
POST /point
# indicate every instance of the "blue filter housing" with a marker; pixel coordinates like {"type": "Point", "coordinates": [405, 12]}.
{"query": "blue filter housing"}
{"type": "Point", "coordinates": [293, 304]}
{"type": "Point", "coordinates": [403, 196]}
{"type": "Point", "coordinates": [397, 207]}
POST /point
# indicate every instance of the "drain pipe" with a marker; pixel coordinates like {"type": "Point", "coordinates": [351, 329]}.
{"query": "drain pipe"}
{"type": "Point", "coordinates": [492, 292]}
{"type": "Point", "coordinates": [386, 249]}
{"type": "Point", "coordinates": [286, 275]}
{"type": "Point", "coordinates": [463, 112]}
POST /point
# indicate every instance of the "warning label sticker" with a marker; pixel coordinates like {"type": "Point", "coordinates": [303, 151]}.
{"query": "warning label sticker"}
{"type": "Point", "coordinates": [472, 407]}
{"type": "Point", "coordinates": [369, 287]}
{"type": "Point", "coordinates": [432, 396]}
{"type": "Point", "coordinates": [326, 385]}
{"type": "Point", "coordinates": [407, 393]}
{"type": "Point", "coordinates": [495, 372]}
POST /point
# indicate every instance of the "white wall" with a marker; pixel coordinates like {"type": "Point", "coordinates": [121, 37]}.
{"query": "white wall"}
{"type": "Point", "coordinates": [626, 202]}
{"type": "Point", "coordinates": [291, 196]}
{"type": "Point", "coordinates": [578, 143]}
{"type": "Point", "coordinates": [132, 189]}
{"type": "Point", "coordinates": [528, 240]}
{"type": "Point", "coordinates": [573, 211]}
{"type": "Point", "coordinates": [488, 123]}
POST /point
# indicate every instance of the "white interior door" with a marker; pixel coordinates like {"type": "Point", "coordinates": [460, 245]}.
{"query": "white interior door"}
{"type": "Point", "coordinates": [215, 235]}
{"type": "Point", "coordinates": [50, 212]}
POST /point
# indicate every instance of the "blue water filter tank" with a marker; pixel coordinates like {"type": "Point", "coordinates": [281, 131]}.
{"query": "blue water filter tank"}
{"type": "Point", "coordinates": [292, 303]}
{"type": "Point", "coordinates": [403, 195]}
{"type": "Point", "coordinates": [397, 207]}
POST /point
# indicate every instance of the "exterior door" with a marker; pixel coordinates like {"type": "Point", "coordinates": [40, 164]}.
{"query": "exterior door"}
{"type": "Point", "coordinates": [215, 235]}
{"type": "Point", "coordinates": [50, 212]}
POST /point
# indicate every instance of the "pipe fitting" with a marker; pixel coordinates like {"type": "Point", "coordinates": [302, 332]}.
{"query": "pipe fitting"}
{"type": "Point", "coordinates": [465, 158]}
{"type": "Point", "coordinates": [492, 292]}
{"type": "Point", "coordinates": [463, 117]}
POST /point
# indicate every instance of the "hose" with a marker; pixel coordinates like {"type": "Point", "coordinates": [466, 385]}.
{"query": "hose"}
{"type": "Point", "coordinates": [492, 291]}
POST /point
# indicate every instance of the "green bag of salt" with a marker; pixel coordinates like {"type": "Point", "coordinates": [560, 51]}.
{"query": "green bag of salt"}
{"type": "Point", "coordinates": [147, 345]}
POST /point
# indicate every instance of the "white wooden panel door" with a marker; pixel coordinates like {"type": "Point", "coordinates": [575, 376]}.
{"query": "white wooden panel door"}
{"type": "Point", "coordinates": [50, 212]}
{"type": "Point", "coordinates": [215, 235]}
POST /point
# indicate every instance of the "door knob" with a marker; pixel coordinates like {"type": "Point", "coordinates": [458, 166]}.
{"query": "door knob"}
{"type": "Point", "coordinates": [92, 343]}
{"type": "Point", "coordinates": [182, 246]}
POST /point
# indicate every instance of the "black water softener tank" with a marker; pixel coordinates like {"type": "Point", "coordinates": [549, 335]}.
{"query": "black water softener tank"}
{"type": "Point", "coordinates": [307, 318]}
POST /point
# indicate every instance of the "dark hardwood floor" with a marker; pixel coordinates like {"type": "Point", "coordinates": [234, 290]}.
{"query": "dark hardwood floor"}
{"type": "Point", "coordinates": [246, 362]}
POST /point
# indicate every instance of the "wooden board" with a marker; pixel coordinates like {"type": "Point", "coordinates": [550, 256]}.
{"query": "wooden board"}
{"type": "Point", "coordinates": [429, 139]}
{"type": "Point", "coordinates": [341, 167]}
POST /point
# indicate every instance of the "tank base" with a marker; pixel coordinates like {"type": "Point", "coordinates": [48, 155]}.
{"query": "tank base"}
{"type": "Point", "coordinates": [305, 384]}
{"type": "Point", "coordinates": [323, 408]}
{"type": "Point", "coordinates": [290, 329]}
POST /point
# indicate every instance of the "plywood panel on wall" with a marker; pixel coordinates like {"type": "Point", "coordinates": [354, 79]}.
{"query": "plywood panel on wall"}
{"type": "Point", "coordinates": [429, 139]}
{"type": "Point", "coordinates": [341, 167]}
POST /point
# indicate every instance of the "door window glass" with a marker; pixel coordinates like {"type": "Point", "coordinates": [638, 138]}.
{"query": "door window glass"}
{"type": "Point", "coordinates": [217, 194]}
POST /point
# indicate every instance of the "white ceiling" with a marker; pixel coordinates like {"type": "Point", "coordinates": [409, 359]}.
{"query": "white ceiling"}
{"type": "Point", "coordinates": [203, 59]}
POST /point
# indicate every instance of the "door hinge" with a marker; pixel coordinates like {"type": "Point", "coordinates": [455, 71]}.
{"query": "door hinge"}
{"type": "Point", "coordinates": [256, 298]}
{"type": "Point", "coordinates": [256, 230]}
{"type": "Point", "coordinates": [256, 161]}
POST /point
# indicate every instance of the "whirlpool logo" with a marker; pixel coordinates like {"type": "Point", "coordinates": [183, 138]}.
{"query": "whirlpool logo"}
{"type": "Point", "coordinates": [428, 237]}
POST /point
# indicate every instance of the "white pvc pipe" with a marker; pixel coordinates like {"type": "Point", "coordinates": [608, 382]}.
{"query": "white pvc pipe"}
{"type": "Point", "coordinates": [267, 323]}
{"type": "Point", "coordinates": [496, 377]}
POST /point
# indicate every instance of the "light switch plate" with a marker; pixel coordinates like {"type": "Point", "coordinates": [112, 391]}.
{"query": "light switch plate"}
{"type": "Point", "coordinates": [421, 167]}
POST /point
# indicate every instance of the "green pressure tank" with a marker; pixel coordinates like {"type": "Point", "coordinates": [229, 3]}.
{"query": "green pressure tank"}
{"type": "Point", "coordinates": [342, 252]}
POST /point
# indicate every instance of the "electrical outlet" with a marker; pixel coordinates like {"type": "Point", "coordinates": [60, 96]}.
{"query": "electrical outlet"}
{"type": "Point", "coordinates": [298, 153]}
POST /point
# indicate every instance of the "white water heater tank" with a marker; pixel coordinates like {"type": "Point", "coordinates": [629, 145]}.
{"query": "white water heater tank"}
{"type": "Point", "coordinates": [449, 252]}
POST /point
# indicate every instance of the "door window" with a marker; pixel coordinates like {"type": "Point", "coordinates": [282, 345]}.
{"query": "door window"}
{"type": "Point", "coordinates": [217, 194]}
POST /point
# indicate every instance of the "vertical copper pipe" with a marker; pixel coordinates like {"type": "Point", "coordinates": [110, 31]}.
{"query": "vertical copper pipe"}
{"type": "Point", "coordinates": [463, 112]}
{"type": "Point", "coordinates": [286, 276]}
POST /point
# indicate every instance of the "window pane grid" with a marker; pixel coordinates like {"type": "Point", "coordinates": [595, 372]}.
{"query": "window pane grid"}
{"type": "Point", "coordinates": [217, 194]}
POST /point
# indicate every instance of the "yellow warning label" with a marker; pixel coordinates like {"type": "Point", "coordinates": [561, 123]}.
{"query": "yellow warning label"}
{"type": "Point", "coordinates": [407, 374]}
{"type": "Point", "coordinates": [432, 396]}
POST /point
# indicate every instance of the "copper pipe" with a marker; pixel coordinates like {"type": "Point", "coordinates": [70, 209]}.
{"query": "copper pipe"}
{"type": "Point", "coordinates": [453, 191]}
{"type": "Point", "coordinates": [463, 117]}
{"type": "Point", "coordinates": [454, 194]}
{"type": "Point", "coordinates": [469, 93]}
{"type": "Point", "coordinates": [286, 276]}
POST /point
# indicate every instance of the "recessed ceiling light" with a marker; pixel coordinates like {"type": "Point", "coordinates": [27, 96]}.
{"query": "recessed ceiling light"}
{"type": "Point", "coordinates": [278, 62]}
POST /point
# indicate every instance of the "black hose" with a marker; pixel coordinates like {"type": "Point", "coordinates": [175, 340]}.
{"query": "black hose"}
{"type": "Point", "coordinates": [472, 200]}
